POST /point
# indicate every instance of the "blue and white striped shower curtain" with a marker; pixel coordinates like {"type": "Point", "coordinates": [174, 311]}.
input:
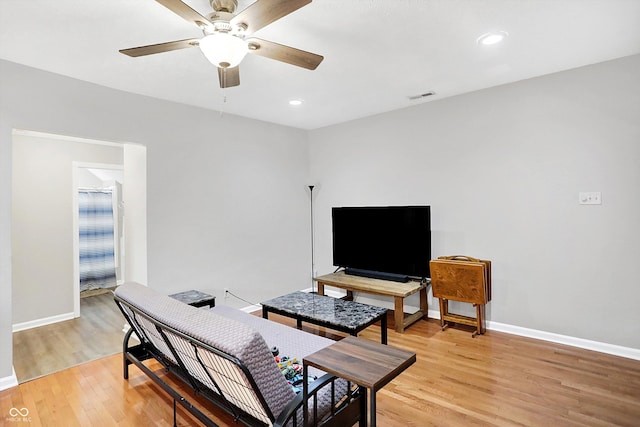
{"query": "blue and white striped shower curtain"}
{"type": "Point", "coordinates": [97, 260]}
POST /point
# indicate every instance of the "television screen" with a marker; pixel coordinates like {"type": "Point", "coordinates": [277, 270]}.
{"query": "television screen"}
{"type": "Point", "coordinates": [387, 239]}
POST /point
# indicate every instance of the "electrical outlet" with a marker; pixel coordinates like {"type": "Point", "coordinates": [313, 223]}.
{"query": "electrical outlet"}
{"type": "Point", "coordinates": [590, 198]}
{"type": "Point", "coordinates": [226, 293]}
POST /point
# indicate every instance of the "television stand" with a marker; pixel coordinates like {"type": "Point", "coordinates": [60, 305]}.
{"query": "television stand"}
{"type": "Point", "coordinates": [399, 291]}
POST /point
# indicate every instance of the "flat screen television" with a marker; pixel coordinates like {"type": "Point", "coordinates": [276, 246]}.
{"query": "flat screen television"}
{"type": "Point", "coordinates": [389, 242]}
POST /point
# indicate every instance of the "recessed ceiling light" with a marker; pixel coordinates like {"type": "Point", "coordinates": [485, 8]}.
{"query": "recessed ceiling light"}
{"type": "Point", "coordinates": [492, 38]}
{"type": "Point", "coordinates": [295, 102]}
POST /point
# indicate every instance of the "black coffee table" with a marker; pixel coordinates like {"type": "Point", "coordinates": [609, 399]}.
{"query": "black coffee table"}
{"type": "Point", "coordinates": [344, 316]}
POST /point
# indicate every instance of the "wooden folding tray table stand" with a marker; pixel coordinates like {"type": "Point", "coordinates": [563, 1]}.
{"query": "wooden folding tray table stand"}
{"type": "Point", "coordinates": [465, 279]}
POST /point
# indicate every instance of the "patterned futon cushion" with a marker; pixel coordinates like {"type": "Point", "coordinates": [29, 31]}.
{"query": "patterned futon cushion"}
{"type": "Point", "coordinates": [227, 334]}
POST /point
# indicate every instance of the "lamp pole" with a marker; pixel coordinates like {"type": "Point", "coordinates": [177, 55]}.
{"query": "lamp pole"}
{"type": "Point", "coordinates": [312, 254]}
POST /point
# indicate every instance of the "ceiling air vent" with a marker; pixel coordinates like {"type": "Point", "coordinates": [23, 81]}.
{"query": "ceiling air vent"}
{"type": "Point", "coordinates": [422, 95]}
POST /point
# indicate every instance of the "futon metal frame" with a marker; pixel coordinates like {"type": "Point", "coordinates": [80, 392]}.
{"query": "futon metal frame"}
{"type": "Point", "coordinates": [234, 390]}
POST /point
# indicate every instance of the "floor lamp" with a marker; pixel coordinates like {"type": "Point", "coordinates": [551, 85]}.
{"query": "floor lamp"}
{"type": "Point", "coordinates": [313, 288]}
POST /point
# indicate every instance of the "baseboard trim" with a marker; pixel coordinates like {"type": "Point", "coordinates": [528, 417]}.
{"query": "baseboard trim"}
{"type": "Point", "coordinates": [601, 347]}
{"type": "Point", "coordinates": [328, 292]}
{"type": "Point", "coordinates": [251, 308]}
{"type": "Point", "coordinates": [42, 322]}
{"type": "Point", "coordinates": [10, 381]}
{"type": "Point", "coordinates": [616, 350]}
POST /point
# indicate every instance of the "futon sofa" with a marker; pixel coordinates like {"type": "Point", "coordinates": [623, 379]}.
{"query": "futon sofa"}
{"type": "Point", "coordinates": [227, 356]}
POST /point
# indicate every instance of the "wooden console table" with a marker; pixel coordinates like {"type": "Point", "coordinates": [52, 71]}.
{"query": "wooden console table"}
{"type": "Point", "coordinates": [399, 291]}
{"type": "Point", "coordinates": [364, 362]}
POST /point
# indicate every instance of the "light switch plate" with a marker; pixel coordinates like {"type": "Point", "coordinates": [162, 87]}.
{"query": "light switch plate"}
{"type": "Point", "coordinates": [590, 198]}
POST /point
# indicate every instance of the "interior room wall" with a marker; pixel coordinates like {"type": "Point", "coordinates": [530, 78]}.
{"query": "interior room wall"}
{"type": "Point", "coordinates": [7, 377]}
{"type": "Point", "coordinates": [135, 211]}
{"type": "Point", "coordinates": [227, 204]}
{"type": "Point", "coordinates": [42, 222]}
{"type": "Point", "coordinates": [88, 180]}
{"type": "Point", "coordinates": [502, 169]}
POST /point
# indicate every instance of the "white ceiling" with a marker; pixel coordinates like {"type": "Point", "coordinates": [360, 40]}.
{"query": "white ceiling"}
{"type": "Point", "coordinates": [377, 52]}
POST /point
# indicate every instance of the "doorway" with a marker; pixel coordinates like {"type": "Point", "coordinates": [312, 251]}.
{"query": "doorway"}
{"type": "Point", "coordinates": [45, 288]}
{"type": "Point", "coordinates": [98, 229]}
{"type": "Point", "coordinates": [44, 242]}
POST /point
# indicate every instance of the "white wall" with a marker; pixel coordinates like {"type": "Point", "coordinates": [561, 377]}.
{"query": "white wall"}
{"type": "Point", "coordinates": [42, 223]}
{"type": "Point", "coordinates": [85, 179]}
{"type": "Point", "coordinates": [226, 200]}
{"type": "Point", "coordinates": [135, 214]}
{"type": "Point", "coordinates": [7, 377]}
{"type": "Point", "coordinates": [501, 169]}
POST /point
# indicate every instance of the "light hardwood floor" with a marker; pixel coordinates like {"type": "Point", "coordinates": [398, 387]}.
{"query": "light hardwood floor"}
{"type": "Point", "coordinates": [494, 379]}
{"type": "Point", "coordinates": [47, 349]}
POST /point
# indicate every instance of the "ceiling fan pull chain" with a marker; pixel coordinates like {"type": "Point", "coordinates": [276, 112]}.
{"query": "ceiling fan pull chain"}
{"type": "Point", "coordinates": [224, 102]}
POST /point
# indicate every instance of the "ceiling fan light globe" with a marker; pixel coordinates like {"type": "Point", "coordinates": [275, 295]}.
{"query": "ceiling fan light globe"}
{"type": "Point", "coordinates": [223, 50]}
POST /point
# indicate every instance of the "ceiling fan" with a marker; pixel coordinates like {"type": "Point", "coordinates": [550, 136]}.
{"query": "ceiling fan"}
{"type": "Point", "coordinates": [226, 38]}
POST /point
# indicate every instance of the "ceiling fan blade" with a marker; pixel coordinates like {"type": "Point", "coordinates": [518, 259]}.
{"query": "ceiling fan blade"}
{"type": "Point", "coordinates": [264, 12]}
{"type": "Point", "coordinates": [229, 77]}
{"type": "Point", "coordinates": [186, 12]}
{"type": "Point", "coordinates": [283, 53]}
{"type": "Point", "coordinates": [160, 47]}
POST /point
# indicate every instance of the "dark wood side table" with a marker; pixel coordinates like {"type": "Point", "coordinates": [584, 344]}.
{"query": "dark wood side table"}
{"type": "Point", "coordinates": [363, 362]}
{"type": "Point", "coordinates": [195, 298]}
